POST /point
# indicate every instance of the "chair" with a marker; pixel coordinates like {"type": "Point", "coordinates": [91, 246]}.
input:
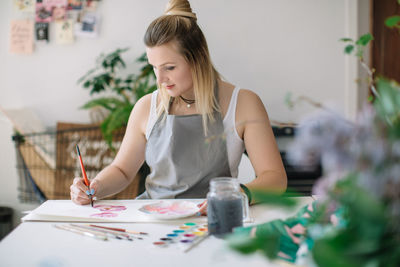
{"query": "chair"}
{"type": "Point", "coordinates": [300, 178]}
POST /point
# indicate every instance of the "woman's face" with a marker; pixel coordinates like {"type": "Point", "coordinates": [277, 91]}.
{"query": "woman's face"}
{"type": "Point", "coordinates": [171, 69]}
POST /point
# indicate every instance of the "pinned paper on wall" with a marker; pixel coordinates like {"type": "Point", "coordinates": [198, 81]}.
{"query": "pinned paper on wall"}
{"type": "Point", "coordinates": [75, 4]}
{"type": "Point", "coordinates": [59, 13]}
{"type": "Point", "coordinates": [44, 13]}
{"type": "Point", "coordinates": [21, 37]}
{"type": "Point", "coordinates": [91, 5]}
{"type": "Point", "coordinates": [42, 31]}
{"type": "Point", "coordinates": [88, 26]}
{"type": "Point", "coordinates": [58, 8]}
{"type": "Point", "coordinates": [64, 31]}
{"type": "Point", "coordinates": [25, 6]}
{"type": "Point", "coordinates": [55, 3]}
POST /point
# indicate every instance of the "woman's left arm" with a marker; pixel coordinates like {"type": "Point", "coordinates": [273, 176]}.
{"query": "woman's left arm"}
{"type": "Point", "coordinates": [252, 124]}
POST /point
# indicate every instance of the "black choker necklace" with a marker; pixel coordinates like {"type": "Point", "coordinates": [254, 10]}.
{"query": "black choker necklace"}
{"type": "Point", "coordinates": [188, 101]}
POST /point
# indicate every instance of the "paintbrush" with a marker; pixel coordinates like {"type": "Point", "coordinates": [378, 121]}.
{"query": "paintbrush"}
{"type": "Point", "coordinates": [86, 180]}
{"type": "Point", "coordinates": [81, 232]}
{"type": "Point", "coordinates": [124, 234]}
{"type": "Point", "coordinates": [119, 229]}
{"type": "Point", "coordinates": [115, 235]}
{"type": "Point", "coordinates": [196, 242]}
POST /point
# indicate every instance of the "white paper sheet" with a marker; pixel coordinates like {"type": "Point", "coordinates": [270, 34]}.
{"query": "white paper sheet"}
{"type": "Point", "coordinates": [103, 211]}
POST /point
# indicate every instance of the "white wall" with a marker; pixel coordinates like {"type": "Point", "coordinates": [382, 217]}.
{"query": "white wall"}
{"type": "Point", "coordinates": [269, 46]}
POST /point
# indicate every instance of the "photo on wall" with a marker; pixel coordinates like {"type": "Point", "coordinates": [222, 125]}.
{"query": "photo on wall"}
{"type": "Point", "coordinates": [59, 13]}
{"type": "Point", "coordinates": [42, 31]}
{"type": "Point", "coordinates": [87, 25]}
{"type": "Point", "coordinates": [55, 3]}
{"type": "Point", "coordinates": [64, 31]}
{"type": "Point", "coordinates": [75, 4]}
{"type": "Point", "coordinates": [25, 6]}
{"type": "Point", "coordinates": [43, 12]}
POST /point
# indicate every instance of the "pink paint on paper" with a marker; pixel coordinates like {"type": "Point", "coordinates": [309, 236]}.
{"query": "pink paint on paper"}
{"type": "Point", "coordinates": [174, 208]}
{"type": "Point", "coordinates": [104, 215]}
{"type": "Point", "coordinates": [108, 211]}
{"type": "Point", "coordinates": [109, 207]}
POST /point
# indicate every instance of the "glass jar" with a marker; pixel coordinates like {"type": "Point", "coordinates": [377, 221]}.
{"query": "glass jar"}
{"type": "Point", "coordinates": [227, 206]}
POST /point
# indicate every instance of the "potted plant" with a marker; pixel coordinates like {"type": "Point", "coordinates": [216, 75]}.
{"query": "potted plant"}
{"type": "Point", "coordinates": [120, 92]}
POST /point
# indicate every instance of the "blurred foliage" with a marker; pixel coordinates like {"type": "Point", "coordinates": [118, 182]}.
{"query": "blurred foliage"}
{"type": "Point", "coordinates": [356, 219]}
{"type": "Point", "coordinates": [393, 22]}
{"type": "Point", "coordinates": [266, 197]}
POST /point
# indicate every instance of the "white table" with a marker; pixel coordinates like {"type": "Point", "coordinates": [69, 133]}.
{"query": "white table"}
{"type": "Point", "coordinates": [41, 244]}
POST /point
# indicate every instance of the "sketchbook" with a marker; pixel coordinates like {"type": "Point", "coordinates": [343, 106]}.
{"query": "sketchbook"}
{"type": "Point", "coordinates": [122, 211]}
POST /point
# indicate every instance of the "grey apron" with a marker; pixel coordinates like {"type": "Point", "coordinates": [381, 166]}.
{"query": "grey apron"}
{"type": "Point", "coordinates": [182, 160]}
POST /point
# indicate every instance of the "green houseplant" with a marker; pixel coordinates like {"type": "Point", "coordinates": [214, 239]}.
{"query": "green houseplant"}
{"type": "Point", "coordinates": [120, 91]}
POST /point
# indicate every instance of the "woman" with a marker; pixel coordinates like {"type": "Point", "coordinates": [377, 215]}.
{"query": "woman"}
{"type": "Point", "coordinates": [194, 127]}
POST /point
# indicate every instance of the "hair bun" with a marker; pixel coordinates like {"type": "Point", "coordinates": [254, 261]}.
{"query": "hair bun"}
{"type": "Point", "coordinates": [179, 8]}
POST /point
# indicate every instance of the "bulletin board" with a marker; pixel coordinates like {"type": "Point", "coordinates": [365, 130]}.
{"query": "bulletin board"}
{"type": "Point", "coordinates": [60, 21]}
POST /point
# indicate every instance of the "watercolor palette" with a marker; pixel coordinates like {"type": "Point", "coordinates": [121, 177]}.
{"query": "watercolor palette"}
{"type": "Point", "coordinates": [168, 210]}
{"type": "Point", "coordinates": [184, 237]}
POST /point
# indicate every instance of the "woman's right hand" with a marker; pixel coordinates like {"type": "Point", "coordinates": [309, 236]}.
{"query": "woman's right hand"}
{"type": "Point", "coordinates": [203, 208]}
{"type": "Point", "coordinates": [80, 193]}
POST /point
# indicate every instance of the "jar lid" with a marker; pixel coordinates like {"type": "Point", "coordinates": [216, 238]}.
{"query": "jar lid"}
{"type": "Point", "coordinates": [224, 183]}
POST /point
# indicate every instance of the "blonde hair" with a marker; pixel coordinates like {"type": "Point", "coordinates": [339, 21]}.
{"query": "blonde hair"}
{"type": "Point", "coordinates": [179, 24]}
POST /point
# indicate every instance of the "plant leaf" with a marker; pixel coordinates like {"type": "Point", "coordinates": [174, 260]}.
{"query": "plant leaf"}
{"type": "Point", "coordinates": [348, 49]}
{"type": "Point", "coordinates": [346, 40]}
{"type": "Point", "coordinates": [86, 76]}
{"type": "Point", "coordinates": [87, 84]}
{"type": "Point", "coordinates": [267, 243]}
{"type": "Point", "coordinates": [142, 58]}
{"type": "Point", "coordinates": [109, 103]}
{"type": "Point", "coordinates": [392, 21]}
{"type": "Point", "coordinates": [267, 197]}
{"type": "Point", "coordinates": [326, 253]}
{"type": "Point", "coordinates": [100, 82]}
{"type": "Point", "coordinates": [365, 39]}
{"type": "Point", "coordinates": [243, 243]}
{"type": "Point", "coordinates": [388, 105]}
{"type": "Point", "coordinates": [116, 120]}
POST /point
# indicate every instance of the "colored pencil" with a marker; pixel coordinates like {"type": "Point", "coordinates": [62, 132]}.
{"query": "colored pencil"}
{"type": "Point", "coordinates": [119, 229]}
{"type": "Point", "coordinates": [86, 180]}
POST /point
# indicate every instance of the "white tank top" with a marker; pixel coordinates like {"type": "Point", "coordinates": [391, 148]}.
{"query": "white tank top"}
{"type": "Point", "coordinates": [235, 145]}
